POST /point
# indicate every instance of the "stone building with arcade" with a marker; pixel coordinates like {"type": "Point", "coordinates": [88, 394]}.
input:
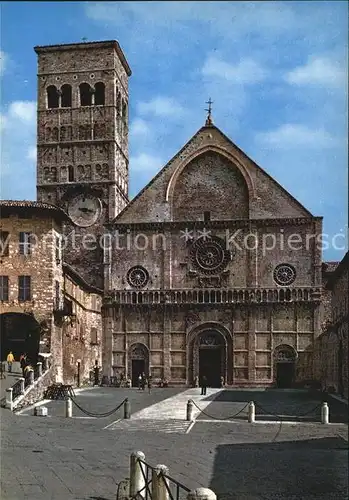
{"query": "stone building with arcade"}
{"type": "Point", "coordinates": [46, 308]}
{"type": "Point", "coordinates": [212, 268]}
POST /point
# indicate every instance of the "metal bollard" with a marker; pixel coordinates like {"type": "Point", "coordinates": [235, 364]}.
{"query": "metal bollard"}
{"type": "Point", "coordinates": [69, 408]}
{"type": "Point", "coordinates": [202, 494]}
{"type": "Point", "coordinates": [190, 411]}
{"type": "Point", "coordinates": [127, 409]}
{"type": "Point", "coordinates": [251, 413]}
{"type": "Point", "coordinates": [137, 473]}
{"type": "Point", "coordinates": [160, 483]}
{"type": "Point", "coordinates": [325, 413]}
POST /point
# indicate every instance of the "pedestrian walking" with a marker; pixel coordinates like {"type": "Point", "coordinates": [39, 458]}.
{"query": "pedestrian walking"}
{"type": "Point", "coordinates": [28, 368]}
{"type": "Point", "coordinates": [10, 360]}
{"type": "Point", "coordinates": [203, 385]}
{"type": "Point", "coordinates": [144, 381]}
{"type": "Point", "coordinates": [23, 362]}
{"type": "Point", "coordinates": [149, 384]}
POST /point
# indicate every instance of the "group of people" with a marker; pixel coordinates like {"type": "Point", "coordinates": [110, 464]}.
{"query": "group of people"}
{"type": "Point", "coordinates": [24, 362]}
{"type": "Point", "coordinates": [144, 382]}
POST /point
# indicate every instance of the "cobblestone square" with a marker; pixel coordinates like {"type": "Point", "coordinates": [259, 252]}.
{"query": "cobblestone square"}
{"type": "Point", "coordinates": [85, 458]}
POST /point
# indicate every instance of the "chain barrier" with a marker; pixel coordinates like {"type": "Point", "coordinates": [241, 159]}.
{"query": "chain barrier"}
{"type": "Point", "coordinates": [98, 415]}
{"type": "Point", "coordinates": [267, 412]}
{"type": "Point", "coordinates": [219, 418]}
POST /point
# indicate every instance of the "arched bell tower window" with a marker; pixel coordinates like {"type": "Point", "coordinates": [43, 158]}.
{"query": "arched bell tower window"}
{"type": "Point", "coordinates": [52, 97]}
{"type": "Point", "coordinates": [66, 96]}
{"type": "Point", "coordinates": [71, 176]}
{"type": "Point", "coordinates": [99, 94]}
{"type": "Point", "coordinates": [85, 94]}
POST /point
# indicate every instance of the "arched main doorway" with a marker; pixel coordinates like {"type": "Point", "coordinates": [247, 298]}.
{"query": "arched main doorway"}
{"type": "Point", "coordinates": [208, 355]}
{"type": "Point", "coordinates": [19, 333]}
{"type": "Point", "coordinates": [138, 362]}
{"type": "Point", "coordinates": [284, 366]}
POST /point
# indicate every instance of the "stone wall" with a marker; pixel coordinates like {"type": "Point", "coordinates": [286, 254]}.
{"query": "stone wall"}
{"type": "Point", "coordinates": [333, 343]}
{"type": "Point", "coordinates": [81, 331]}
{"type": "Point", "coordinates": [252, 334]}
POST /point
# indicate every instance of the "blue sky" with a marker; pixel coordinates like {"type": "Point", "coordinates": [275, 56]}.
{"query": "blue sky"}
{"type": "Point", "coordinates": [276, 71]}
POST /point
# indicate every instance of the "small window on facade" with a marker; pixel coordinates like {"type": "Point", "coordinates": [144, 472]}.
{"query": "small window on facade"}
{"type": "Point", "coordinates": [55, 134]}
{"type": "Point", "coordinates": [99, 94]}
{"type": "Point", "coordinates": [4, 243]}
{"type": "Point", "coordinates": [3, 288]}
{"type": "Point", "coordinates": [71, 173]}
{"type": "Point", "coordinates": [58, 250]}
{"type": "Point", "coordinates": [52, 97]}
{"type": "Point", "coordinates": [118, 104]}
{"type": "Point", "coordinates": [124, 111]}
{"type": "Point", "coordinates": [25, 243]}
{"type": "Point", "coordinates": [24, 288]}
{"type": "Point", "coordinates": [94, 336]}
{"type": "Point", "coordinates": [66, 96]}
{"type": "Point", "coordinates": [207, 216]}
{"type": "Point", "coordinates": [85, 94]}
{"type": "Point", "coordinates": [63, 134]}
{"type": "Point", "coordinates": [84, 132]}
{"type": "Point", "coordinates": [57, 294]}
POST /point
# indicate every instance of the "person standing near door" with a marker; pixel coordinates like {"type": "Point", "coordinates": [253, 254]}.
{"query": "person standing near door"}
{"type": "Point", "coordinates": [203, 385]}
{"type": "Point", "coordinates": [10, 360]}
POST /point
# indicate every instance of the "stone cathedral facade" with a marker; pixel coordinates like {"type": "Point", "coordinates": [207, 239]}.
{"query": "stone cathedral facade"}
{"type": "Point", "coordinates": [199, 274]}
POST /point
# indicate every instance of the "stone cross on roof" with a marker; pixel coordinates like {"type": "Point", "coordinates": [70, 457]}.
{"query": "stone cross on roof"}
{"type": "Point", "coordinates": [209, 111]}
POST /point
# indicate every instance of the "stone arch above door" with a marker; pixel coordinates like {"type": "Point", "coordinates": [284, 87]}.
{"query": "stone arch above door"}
{"type": "Point", "coordinates": [285, 353]}
{"type": "Point", "coordinates": [206, 336]}
{"type": "Point", "coordinates": [137, 352]}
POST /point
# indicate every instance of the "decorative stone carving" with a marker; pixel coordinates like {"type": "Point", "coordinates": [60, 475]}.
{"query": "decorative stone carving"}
{"type": "Point", "coordinates": [137, 277]}
{"type": "Point", "coordinates": [191, 319]}
{"type": "Point", "coordinates": [284, 274]}
{"type": "Point", "coordinates": [209, 282]}
{"type": "Point", "coordinates": [284, 355]}
{"type": "Point", "coordinates": [209, 256]}
{"type": "Point", "coordinates": [209, 339]}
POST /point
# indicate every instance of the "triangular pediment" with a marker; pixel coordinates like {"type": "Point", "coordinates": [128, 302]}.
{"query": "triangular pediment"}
{"type": "Point", "coordinates": [207, 165]}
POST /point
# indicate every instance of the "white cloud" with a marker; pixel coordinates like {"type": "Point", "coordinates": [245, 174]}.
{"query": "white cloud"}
{"type": "Point", "coordinates": [146, 163]}
{"type": "Point", "coordinates": [3, 62]}
{"type": "Point", "coordinates": [18, 138]}
{"type": "Point", "coordinates": [31, 153]}
{"type": "Point", "coordinates": [232, 17]}
{"type": "Point", "coordinates": [139, 128]}
{"type": "Point", "coordinates": [290, 136]}
{"type": "Point", "coordinates": [318, 71]}
{"type": "Point", "coordinates": [165, 107]}
{"type": "Point", "coordinates": [245, 71]}
{"type": "Point", "coordinates": [24, 111]}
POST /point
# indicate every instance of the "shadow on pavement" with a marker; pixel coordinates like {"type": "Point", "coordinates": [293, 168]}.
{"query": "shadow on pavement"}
{"type": "Point", "coordinates": [276, 404]}
{"type": "Point", "coordinates": [309, 469]}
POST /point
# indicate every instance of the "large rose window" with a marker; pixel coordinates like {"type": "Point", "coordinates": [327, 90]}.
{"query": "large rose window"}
{"type": "Point", "coordinates": [284, 274]}
{"type": "Point", "coordinates": [137, 277]}
{"type": "Point", "coordinates": [209, 255]}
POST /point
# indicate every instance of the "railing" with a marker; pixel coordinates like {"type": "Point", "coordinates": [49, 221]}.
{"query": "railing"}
{"type": "Point", "coordinates": [152, 475]}
{"type": "Point", "coordinates": [17, 389]}
{"type": "Point", "coordinates": [216, 296]}
{"type": "Point", "coordinates": [24, 384]}
{"type": "Point", "coordinates": [154, 483]}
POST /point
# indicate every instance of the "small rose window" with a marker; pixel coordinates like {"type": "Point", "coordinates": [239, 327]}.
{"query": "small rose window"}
{"type": "Point", "coordinates": [137, 277]}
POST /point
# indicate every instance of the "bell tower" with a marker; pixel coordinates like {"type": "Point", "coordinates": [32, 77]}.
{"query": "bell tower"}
{"type": "Point", "coordinates": [82, 143]}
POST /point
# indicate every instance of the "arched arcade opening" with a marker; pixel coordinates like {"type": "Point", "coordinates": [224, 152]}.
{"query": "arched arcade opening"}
{"type": "Point", "coordinates": [20, 333]}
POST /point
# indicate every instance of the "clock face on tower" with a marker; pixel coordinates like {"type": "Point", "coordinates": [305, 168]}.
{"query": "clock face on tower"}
{"type": "Point", "coordinates": [84, 210]}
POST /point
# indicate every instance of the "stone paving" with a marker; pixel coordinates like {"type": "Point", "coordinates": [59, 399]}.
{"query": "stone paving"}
{"type": "Point", "coordinates": [79, 458]}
